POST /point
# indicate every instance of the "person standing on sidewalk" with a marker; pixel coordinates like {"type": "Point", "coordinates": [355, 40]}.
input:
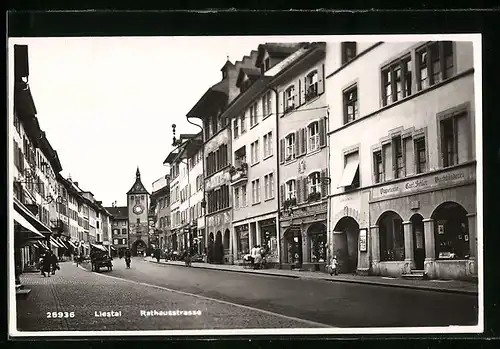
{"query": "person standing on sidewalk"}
{"type": "Point", "coordinates": [333, 266]}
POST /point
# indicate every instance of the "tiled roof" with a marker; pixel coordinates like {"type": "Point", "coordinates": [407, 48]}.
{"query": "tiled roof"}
{"type": "Point", "coordinates": [118, 211]}
{"type": "Point", "coordinates": [277, 50]}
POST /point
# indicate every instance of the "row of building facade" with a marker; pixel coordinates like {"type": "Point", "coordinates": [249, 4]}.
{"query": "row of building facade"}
{"type": "Point", "coordinates": [50, 212]}
{"type": "Point", "coordinates": [360, 150]}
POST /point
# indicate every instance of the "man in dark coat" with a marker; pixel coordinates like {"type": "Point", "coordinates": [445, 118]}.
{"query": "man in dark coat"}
{"type": "Point", "coordinates": [53, 262]}
{"type": "Point", "coordinates": [45, 264]}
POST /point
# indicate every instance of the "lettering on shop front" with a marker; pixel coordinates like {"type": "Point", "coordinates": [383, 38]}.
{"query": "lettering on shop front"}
{"type": "Point", "coordinates": [417, 184]}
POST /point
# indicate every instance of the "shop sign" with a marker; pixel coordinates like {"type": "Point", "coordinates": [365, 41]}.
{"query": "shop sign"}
{"type": "Point", "coordinates": [218, 179]}
{"type": "Point", "coordinates": [362, 240]}
{"type": "Point", "coordinates": [423, 183]}
{"type": "Point", "coordinates": [219, 219]}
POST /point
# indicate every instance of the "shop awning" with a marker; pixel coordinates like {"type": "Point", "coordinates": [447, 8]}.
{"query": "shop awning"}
{"type": "Point", "coordinates": [100, 247]}
{"type": "Point", "coordinates": [349, 172]}
{"type": "Point", "coordinates": [43, 245]}
{"type": "Point", "coordinates": [24, 212]}
{"type": "Point", "coordinates": [60, 241]}
{"type": "Point", "coordinates": [53, 243]}
{"type": "Point", "coordinates": [113, 248]}
{"type": "Point", "coordinates": [56, 242]}
{"type": "Point", "coordinates": [72, 244]}
{"type": "Point", "coordinates": [27, 225]}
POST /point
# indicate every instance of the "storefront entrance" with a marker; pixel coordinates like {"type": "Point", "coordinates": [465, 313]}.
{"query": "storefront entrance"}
{"type": "Point", "coordinates": [417, 225]}
{"type": "Point", "coordinates": [345, 244]}
{"type": "Point", "coordinates": [293, 246]}
{"type": "Point", "coordinates": [218, 249]}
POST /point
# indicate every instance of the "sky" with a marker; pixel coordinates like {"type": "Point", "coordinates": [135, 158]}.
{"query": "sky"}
{"type": "Point", "coordinates": [107, 104]}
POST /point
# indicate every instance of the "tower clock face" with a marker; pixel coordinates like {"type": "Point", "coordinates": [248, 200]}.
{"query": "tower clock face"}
{"type": "Point", "coordinates": [138, 209]}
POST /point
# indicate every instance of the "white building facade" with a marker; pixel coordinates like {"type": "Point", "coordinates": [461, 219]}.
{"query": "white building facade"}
{"type": "Point", "coordinates": [402, 158]}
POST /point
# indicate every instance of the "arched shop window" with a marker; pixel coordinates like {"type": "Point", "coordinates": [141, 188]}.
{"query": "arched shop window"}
{"type": "Point", "coordinates": [392, 244]}
{"type": "Point", "coordinates": [451, 231]}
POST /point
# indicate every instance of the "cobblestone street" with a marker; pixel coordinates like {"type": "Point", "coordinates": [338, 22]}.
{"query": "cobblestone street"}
{"type": "Point", "coordinates": [84, 293]}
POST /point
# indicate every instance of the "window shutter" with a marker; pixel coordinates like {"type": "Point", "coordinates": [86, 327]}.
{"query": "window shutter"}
{"type": "Point", "coordinates": [299, 93]}
{"type": "Point", "coordinates": [297, 144]}
{"type": "Point", "coordinates": [298, 189]}
{"type": "Point", "coordinates": [304, 90]}
{"type": "Point", "coordinates": [321, 79]}
{"type": "Point", "coordinates": [282, 104]}
{"type": "Point", "coordinates": [282, 151]}
{"type": "Point", "coordinates": [296, 96]}
{"type": "Point", "coordinates": [21, 158]}
{"type": "Point", "coordinates": [300, 142]}
{"type": "Point", "coordinates": [322, 132]}
{"type": "Point", "coordinates": [303, 132]}
{"type": "Point", "coordinates": [282, 194]}
{"type": "Point", "coordinates": [305, 182]}
{"type": "Point", "coordinates": [324, 184]}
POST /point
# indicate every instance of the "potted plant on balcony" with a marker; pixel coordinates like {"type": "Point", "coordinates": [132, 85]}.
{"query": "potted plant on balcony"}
{"type": "Point", "coordinates": [232, 170]}
{"type": "Point", "coordinates": [314, 196]}
{"type": "Point", "coordinates": [244, 166]}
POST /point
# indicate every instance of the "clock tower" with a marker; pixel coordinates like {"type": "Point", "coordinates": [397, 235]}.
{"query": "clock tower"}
{"type": "Point", "coordinates": [138, 208]}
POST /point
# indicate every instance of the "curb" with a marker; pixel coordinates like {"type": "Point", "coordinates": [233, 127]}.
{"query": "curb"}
{"type": "Point", "coordinates": [364, 282]}
{"type": "Point", "coordinates": [230, 270]}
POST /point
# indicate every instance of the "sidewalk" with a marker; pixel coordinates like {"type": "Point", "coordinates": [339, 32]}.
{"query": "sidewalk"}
{"type": "Point", "coordinates": [453, 286]}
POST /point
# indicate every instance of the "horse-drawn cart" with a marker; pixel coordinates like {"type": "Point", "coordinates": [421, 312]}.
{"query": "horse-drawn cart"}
{"type": "Point", "coordinates": [100, 259]}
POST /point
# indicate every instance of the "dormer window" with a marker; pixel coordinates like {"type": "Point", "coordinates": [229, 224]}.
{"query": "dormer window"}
{"type": "Point", "coordinates": [224, 74]}
{"type": "Point", "coordinates": [349, 51]}
{"type": "Point", "coordinates": [267, 64]}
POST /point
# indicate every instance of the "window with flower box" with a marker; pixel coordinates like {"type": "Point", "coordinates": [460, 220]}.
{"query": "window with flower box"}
{"type": "Point", "coordinates": [311, 85]}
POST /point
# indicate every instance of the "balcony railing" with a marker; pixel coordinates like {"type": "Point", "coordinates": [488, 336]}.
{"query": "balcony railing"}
{"type": "Point", "coordinates": [239, 174]}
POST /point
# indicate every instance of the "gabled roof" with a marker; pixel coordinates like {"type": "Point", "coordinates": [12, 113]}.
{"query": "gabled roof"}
{"type": "Point", "coordinates": [138, 187]}
{"type": "Point", "coordinates": [118, 212]}
{"type": "Point", "coordinates": [228, 63]}
{"type": "Point", "coordinates": [211, 102]}
{"type": "Point", "coordinates": [171, 156]}
{"type": "Point", "coordinates": [252, 73]}
{"type": "Point", "coordinates": [277, 50]}
{"type": "Point", "coordinates": [50, 153]}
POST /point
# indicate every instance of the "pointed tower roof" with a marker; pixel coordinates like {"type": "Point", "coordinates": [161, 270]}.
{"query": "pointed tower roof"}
{"type": "Point", "coordinates": [138, 187]}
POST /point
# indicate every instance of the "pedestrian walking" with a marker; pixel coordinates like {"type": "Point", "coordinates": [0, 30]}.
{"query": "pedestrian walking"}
{"type": "Point", "coordinates": [54, 262]}
{"type": "Point", "coordinates": [157, 254]}
{"type": "Point", "coordinates": [128, 259]}
{"type": "Point", "coordinates": [45, 264]}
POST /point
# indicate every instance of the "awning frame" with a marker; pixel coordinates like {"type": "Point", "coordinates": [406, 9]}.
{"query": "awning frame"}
{"type": "Point", "coordinates": [349, 173]}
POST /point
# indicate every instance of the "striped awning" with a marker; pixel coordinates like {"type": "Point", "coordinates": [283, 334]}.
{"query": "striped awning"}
{"type": "Point", "coordinates": [43, 244]}
{"type": "Point", "coordinates": [100, 247]}
{"type": "Point", "coordinates": [72, 244]}
{"type": "Point", "coordinates": [27, 225]}
{"type": "Point", "coordinates": [55, 243]}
